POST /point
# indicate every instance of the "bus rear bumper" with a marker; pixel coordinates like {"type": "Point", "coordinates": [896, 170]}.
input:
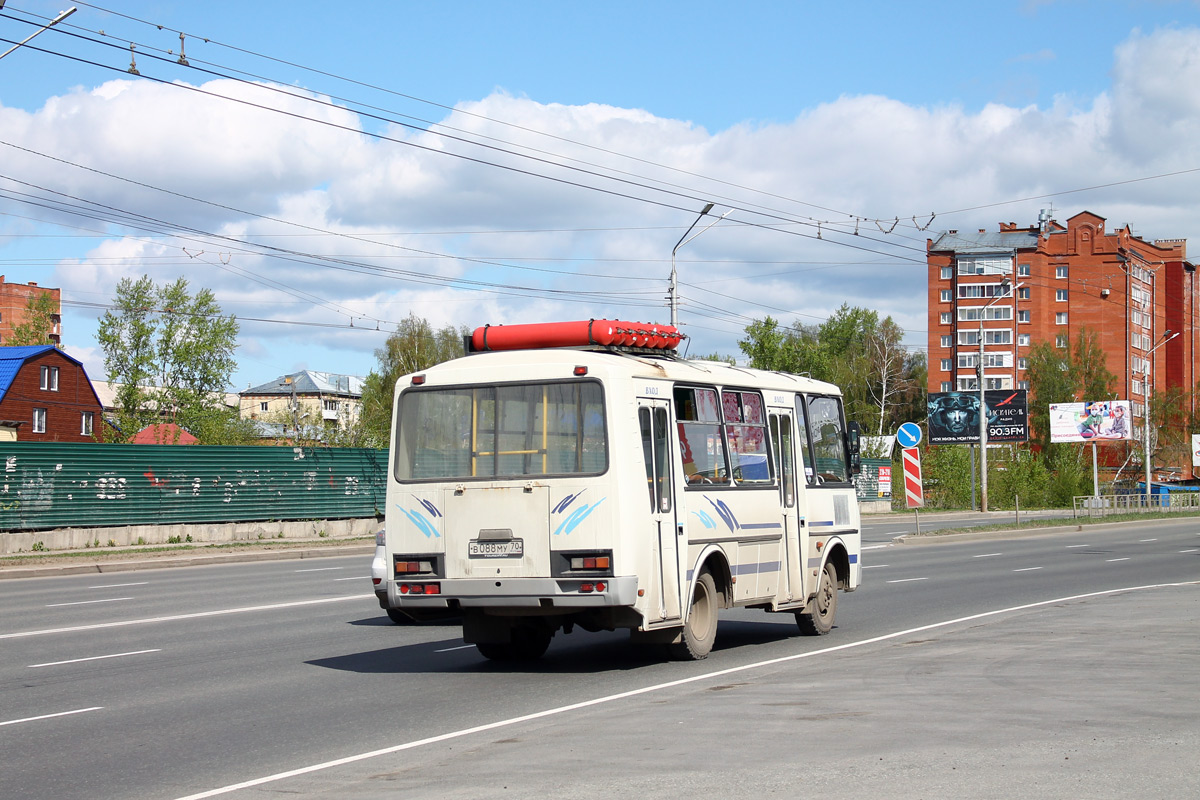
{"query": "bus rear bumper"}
{"type": "Point", "coordinates": [521, 593]}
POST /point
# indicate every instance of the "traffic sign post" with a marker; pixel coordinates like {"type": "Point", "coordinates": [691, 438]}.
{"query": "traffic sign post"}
{"type": "Point", "coordinates": [914, 489]}
{"type": "Point", "coordinates": [909, 435]}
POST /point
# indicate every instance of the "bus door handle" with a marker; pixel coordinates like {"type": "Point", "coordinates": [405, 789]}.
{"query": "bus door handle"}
{"type": "Point", "coordinates": [679, 529]}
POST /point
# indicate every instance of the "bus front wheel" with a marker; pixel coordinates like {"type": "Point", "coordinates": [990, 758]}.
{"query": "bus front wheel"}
{"type": "Point", "coordinates": [817, 617]}
{"type": "Point", "coordinates": [700, 630]}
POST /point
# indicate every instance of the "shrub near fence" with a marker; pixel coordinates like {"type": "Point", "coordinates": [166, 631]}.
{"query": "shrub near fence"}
{"type": "Point", "coordinates": [53, 485]}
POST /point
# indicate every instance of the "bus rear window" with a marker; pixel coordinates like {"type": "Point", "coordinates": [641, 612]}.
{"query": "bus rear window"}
{"type": "Point", "coordinates": [501, 431]}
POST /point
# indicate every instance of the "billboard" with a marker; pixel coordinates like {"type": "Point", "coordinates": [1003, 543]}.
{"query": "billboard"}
{"type": "Point", "coordinates": [1098, 420]}
{"type": "Point", "coordinates": [954, 416]}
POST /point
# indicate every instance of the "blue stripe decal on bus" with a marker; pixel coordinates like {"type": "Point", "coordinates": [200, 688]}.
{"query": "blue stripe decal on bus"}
{"type": "Point", "coordinates": [760, 526]}
{"type": "Point", "coordinates": [853, 558]}
{"type": "Point", "coordinates": [817, 523]}
{"type": "Point", "coordinates": [754, 569]}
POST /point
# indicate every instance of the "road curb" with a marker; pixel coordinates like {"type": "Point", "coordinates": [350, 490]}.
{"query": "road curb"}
{"type": "Point", "coordinates": [1014, 533]}
{"type": "Point", "coordinates": [191, 560]}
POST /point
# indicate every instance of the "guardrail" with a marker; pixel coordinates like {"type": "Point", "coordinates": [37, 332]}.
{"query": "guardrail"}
{"type": "Point", "coordinates": [1107, 505]}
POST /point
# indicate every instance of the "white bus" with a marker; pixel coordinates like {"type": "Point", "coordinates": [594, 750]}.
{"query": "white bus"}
{"type": "Point", "coordinates": [607, 486]}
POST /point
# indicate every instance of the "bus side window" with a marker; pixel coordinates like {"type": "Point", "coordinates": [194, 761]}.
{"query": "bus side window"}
{"type": "Point", "coordinates": [781, 446]}
{"type": "Point", "coordinates": [700, 442]}
{"type": "Point", "coordinates": [829, 443]}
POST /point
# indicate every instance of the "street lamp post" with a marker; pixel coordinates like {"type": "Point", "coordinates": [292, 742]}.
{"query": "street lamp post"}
{"type": "Point", "coordinates": [674, 290]}
{"type": "Point", "coordinates": [1004, 291]}
{"type": "Point", "coordinates": [1167, 336]}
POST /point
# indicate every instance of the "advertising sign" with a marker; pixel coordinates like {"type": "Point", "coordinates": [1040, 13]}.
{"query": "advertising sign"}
{"type": "Point", "coordinates": [885, 481]}
{"type": "Point", "coordinates": [954, 416]}
{"type": "Point", "coordinates": [1099, 420]}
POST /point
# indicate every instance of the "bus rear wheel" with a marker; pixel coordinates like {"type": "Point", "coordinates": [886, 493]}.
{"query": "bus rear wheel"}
{"type": "Point", "coordinates": [528, 643]}
{"type": "Point", "coordinates": [817, 617]}
{"type": "Point", "coordinates": [700, 630]}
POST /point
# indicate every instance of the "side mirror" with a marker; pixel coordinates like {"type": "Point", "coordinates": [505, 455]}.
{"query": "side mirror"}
{"type": "Point", "coordinates": [852, 444]}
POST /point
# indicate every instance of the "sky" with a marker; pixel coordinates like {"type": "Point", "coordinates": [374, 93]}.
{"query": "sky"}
{"type": "Point", "coordinates": [328, 170]}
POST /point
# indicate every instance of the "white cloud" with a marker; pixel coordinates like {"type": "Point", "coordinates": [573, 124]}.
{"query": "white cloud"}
{"type": "Point", "coordinates": [400, 206]}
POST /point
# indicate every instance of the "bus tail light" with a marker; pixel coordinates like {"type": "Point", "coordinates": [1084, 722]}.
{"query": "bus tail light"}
{"type": "Point", "coordinates": [413, 567]}
{"type": "Point", "coordinates": [597, 561]}
{"type": "Point", "coordinates": [420, 588]}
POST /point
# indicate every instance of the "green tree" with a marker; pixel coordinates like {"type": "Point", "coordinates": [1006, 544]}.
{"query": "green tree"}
{"type": "Point", "coordinates": [852, 349]}
{"type": "Point", "coordinates": [172, 354]}
{"type": "Point", "coordinates": [40, 316]}
{"type": "Point", "coordinates": [414, 346]}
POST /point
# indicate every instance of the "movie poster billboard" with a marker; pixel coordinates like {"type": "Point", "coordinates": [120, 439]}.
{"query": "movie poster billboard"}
{"type": "Point", "coordinates": [1098, 420]}
{"type": "Point", "coordinates": [954, 416]}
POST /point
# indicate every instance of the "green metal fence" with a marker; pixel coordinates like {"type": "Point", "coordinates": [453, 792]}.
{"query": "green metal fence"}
{"type": "Point", "coordinates": [49, 485]}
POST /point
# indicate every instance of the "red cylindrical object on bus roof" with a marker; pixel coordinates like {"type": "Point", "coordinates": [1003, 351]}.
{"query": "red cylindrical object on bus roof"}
{"type": "Point", "coordinates": [574, 334]}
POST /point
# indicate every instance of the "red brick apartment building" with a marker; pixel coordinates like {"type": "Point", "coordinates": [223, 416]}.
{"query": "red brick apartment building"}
{"type": "Point", "coordinates": [1130, 292]}
{"type": "Point", "coordinates": [14, 298]}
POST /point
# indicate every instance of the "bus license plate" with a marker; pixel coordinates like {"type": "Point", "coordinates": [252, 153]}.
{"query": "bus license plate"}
{"type": "Point", "coordinates": [499, 548]}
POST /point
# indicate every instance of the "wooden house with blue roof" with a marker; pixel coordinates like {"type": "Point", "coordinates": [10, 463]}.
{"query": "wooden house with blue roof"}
{"type": "Point", "coordinates": [49, 394]}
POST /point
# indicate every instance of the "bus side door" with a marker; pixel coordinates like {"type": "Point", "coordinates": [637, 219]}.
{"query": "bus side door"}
{"type": "Point", "coordinates": [654, 420]}
{"type": "Point", "coordinates": [784, 446]}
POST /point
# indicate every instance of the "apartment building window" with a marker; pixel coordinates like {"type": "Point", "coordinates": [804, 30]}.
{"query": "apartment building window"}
{"type": "Point", "coordinates": [1140, 341]}
{"type": "Point", "coordinates": [976, 313]}
{"type": "Point", "coordinates": [1060, 341]}
{"type": "Point", "coordinates": [1060, 295]}
{"type": "Point", "coordinates": [945, 365]}
{"type": "Point", "coordinates": [947, 386]}
{"type": "Point", "coordinates": [968, 360]}
{"type": "Point", "coordinates": [39, 420]}
{"type": "Point", "coordinates": [990, 360]}
{"type": "Point", "coordinates": [947, 296]}
{"type": "Point", "coordinates": [947, 317]}
{"type": "Point", "coordinates": [1022, 316]}
{"type": "Point", "coordinates": [1023, 293]}
{"type": "Point", "coordinates": [978, 291]}
{"type": "Point", "coordinates": [947, 273]}
{"type": "Point", "coordinates": [1137, 387]}
{"type": "Point", "coordinates": [50, 379]}
{"type": "Point", "coordinates": [1060, 271]}
{"type": "Point", "coordinates": [968, 338]}
{"type": "Point", "coordinates": [1022, 363]}
{"type": "Point", "coordinates": [1023, 340]}
{"type": "Point", "coordinates": [947, 341]}
{"type": "Point", "coordinates": [984, 265]}
{"type": "Point", "coordinates": [998, 383]}
{"type": "Point", "coordinates": [1060, 318]}
{"type": "Point", "coordinates": [1023, 385]}
{"type": "Point", "coordinates": [1022, 270]}
{"type": "Point", "coordinates": [262, 406]}
{"type": "Point", "coordinates": [968, 384]}
{"type": "Point", "coordinates": [86, 422]}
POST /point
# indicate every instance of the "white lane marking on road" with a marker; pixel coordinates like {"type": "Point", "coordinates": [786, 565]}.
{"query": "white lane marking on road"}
{"type": "Point", "coordinates": [355, 578]}
{"type": "Point", "coordinates": [94, 658]}
{"type": "Point", "coordinates": [987, 555]}
{"type": "Point", "coordinates": [1147, 540]}
{"type": "Point", "coordinates": [1026, 569]}
{"type": "Point", "coordinates": [119, 585]}
{"type": "Point", "coordinates": [875, 566]}
{"type": "Point", "coordinates": [451, 649]}
{"type": "Point", "coordinates": [1077, 545]}
{"type": "Point", "coordinates": [1193, 550]}
{"type": "Point", "coordinates": [875, 547]}
{"type": "Point", "coordinates": [195, 615]}
{"type": "Point", "coordinates": [50, 716]}
{"type": "Point", "coordinates": [88, 602]}
{"type": "Point", "coordinates": [908, 580]}
{"type": "Point", "coordinates": [507, 723]}
{"type": "Point", "coordinates": [318, 569]}
{"type": "Point", "coordinates": [1111, 560]}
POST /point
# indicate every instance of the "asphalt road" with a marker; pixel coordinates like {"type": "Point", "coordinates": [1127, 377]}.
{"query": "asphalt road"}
{"type": "Point", "coordinates": [977, 668]}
